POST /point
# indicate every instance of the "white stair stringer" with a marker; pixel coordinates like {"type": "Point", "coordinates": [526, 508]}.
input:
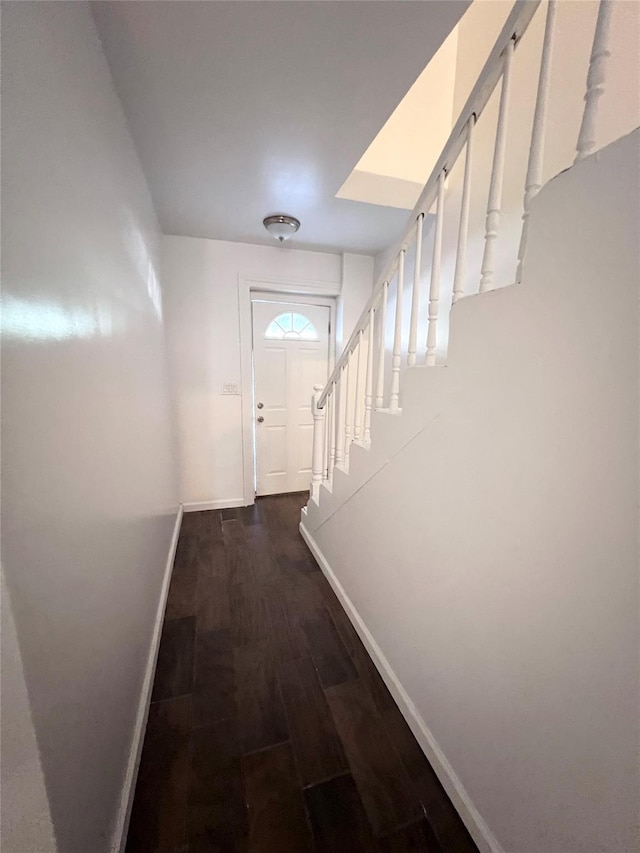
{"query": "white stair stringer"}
{"type": "Point", "coordinates": [390, 433]}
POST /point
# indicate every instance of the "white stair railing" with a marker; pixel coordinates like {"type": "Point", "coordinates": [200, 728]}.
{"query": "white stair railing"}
{"type": "Point", "coordinates": [351, 395]}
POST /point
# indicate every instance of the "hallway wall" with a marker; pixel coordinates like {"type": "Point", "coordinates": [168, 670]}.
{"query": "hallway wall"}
{"type": "Point", "coordinates": [200, 285]}
{"type": "Point", "coordinates": [494, 559]}
{"type": "Point", "coordinates": [88, 479]}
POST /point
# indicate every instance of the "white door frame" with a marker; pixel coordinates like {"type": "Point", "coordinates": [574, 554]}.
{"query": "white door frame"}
{"type": "Point", "coordinates": [310, 292]}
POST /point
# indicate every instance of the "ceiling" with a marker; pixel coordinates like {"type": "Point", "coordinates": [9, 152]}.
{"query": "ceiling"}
{"type": "Point", "coordinates": [395, 167]}
{"type": "Point", "coordinates": [241, 109]}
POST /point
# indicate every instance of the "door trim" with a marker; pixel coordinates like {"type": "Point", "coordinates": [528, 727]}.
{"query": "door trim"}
{"type": "Point", "coordinates": [285, 291]}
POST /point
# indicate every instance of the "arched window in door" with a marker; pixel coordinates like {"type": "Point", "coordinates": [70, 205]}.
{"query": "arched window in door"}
{"type": "Point", "coordinates": [291, 326]}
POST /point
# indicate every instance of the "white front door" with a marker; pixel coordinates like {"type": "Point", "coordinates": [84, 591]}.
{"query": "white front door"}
{"type": "Point", "coordinates": [290, 356]}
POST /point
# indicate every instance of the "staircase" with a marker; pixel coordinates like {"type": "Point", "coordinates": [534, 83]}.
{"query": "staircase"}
{"type": "Point", "coordinates": [477, 515]}
{"type": "Point", "coordinates": [358, 422]}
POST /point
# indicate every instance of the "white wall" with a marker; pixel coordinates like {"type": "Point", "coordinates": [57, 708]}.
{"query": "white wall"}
{"type": "Point", "coordinates": [88, 480]}
{"type": "Point", "coordinates": [25, 817]}
{"type": "Point", "coordinates": [200, 284]}
{"type": "Point", "coordinates": [396, 165]}
{"type": "Point", "coordinates": [495, 558]}
{"type": "Point", "coordinates": [356, 287]}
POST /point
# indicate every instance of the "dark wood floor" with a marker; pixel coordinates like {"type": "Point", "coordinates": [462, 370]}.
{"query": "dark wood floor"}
{"type": "Point", "coordinates": [270, 729]}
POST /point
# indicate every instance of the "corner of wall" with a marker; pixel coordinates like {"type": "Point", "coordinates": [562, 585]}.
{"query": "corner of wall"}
{"type": "Point", "coordinates": [356, 284]}
{"type": "Point", "coordinates": [26, 815]}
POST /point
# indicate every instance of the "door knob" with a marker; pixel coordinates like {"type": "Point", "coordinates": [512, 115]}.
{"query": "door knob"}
{"type": "Point", "coordinates": [260, 419]}
{"type": "Point", "coordinates": [261, 405]}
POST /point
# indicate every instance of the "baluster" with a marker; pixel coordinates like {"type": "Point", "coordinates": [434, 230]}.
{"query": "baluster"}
{"type": "Point", "coordinates": [347, 409]}
{"type": "Point", "coordinates": [368, 390]}
{"type": "Point", "coordinates": [332, 432]}
{"type": "Point", "coordinates": [415, 296]}
{"type": "Point", "coordinates": [463, 228]}
{"type": "Point", "coordinates": [357, 421]}
{"type": "Point", "coordinates": [327, 423]}
{"type": "Point", "coordinates": [434, 288]}
{"type": "Point", "coordinates": [397, 339]}
{"type": "Point", "coordinates": [600, 53]}
{"type": "Point", "coordinates": [382, 349]}
{"type": "Point", "coordinates": [339, 439]}
{"type": "Point", "coordinates": [318, 436]}
{"type": "Point", "coordinates": [536, 152]}
{"type": "Point", "coordinates": [497, 177]}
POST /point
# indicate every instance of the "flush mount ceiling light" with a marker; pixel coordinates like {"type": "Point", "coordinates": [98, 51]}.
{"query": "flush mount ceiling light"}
{"type": "Point", "coordinates": [281, 226]}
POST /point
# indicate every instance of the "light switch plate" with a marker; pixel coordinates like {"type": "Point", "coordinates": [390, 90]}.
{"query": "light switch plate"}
{"type": "Point", "coordinates": [230, 388]}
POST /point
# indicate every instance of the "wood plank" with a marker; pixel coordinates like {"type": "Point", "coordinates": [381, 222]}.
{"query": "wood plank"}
{"type": "Point", "coordinates": [229, 514]}
{"type": "Point", "coordinates": [416, 837]}
{"type": "Point", "coordinates": [293, 505]}
{"type": "Point", "coordinates": [297, 565]}
{"type": "Point", "coordinates": [275, 806]}
{"type": "Point", "coordinates": [346, 631]}
{"type": "Point", "coordinates": [316, 746]}
{"type": "Point", "coordinates": [214, 679]}
{"type": "Point", "coordinates": [239, 566]}
{"type": "Point", "coordinates": [265, 567]}
{"type": "Point", "coordinates": [303, 596]}
{"type": "Point", "coordinates": [212, 561]}
{"type": "Point", "coordinates": [257, 536]}
{"type": "Point", "coordinates": [250, 621]}
{"type": "Point", "coordinates": [232, 530]}
{"type": "Point", "coordinates": [260, 710]}
{"type": "Point", "coordinates": [385, 788]}
{"type": "Point", "coordinates": [329, 654]}
{"type": "Point", "coordinates": [158, 816]}
{"type": "Point", "coordinates": [254, 514]}
{"type": "Point", "coordinates": [216, 818]}
{"type": "Point", "coordinates": [210, 526]}
{"type": "Point", "coordinates": [286, 634]}
{"type": "Point", "coordinates": [181, 598]}
{"type": "Point", "coordinates": [283, 529]}
{"type": "Point", "coordinates": [338, 820]}
{"type": "Point", "coordinates": [300, 499]}
{"type": "Point", "coordinates": [174, 671]}
{"type": "Point", "coordinates": [405, 743]}
{"type": "Point", "coordinates": [446, 823]}
{"type": "Point", "coordinates": [371, 678]}
{"type": "Point", "coordinates": [213, 610]}
{"type": "Point", "coordinates": [365, 667]}
{"type": "Point", "coordinates": [187, 548]}
{"type": "Point", "coordinates": [191, 524]}
{"type": "Point", "coordinates": [324, 587]}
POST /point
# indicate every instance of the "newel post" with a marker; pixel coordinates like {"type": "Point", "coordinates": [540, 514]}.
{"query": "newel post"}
{"type": "Point", "coordinates": [318, 439]}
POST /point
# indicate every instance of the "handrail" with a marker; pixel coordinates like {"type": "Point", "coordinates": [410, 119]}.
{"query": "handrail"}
{"type": "Point", "coordinates": [514, 28]}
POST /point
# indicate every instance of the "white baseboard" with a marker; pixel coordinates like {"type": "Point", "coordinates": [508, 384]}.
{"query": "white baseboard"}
{"type": "Point", "coordinates": [126, 801]}
{"type": "Point", "coordinates": [223, 503]}
{"type": "Point", "coordinates": [480, 832]}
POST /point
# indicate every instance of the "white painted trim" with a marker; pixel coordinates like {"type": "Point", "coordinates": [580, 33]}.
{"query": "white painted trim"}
{"type": "Point", "coordinates": [295, 288]}
{"type": "Point", "coordinates": [246, 387]}
{"type": "Point", "coordinates": [246, 285]}
{"type": "Point", "coordinates": [222, 503]}
{"type": "Point", "coordinates": [480, 832]}
{"type": "Point", "coordinates": [297, 298]}
{"type": "Point", "coordinates": [126, 801]}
